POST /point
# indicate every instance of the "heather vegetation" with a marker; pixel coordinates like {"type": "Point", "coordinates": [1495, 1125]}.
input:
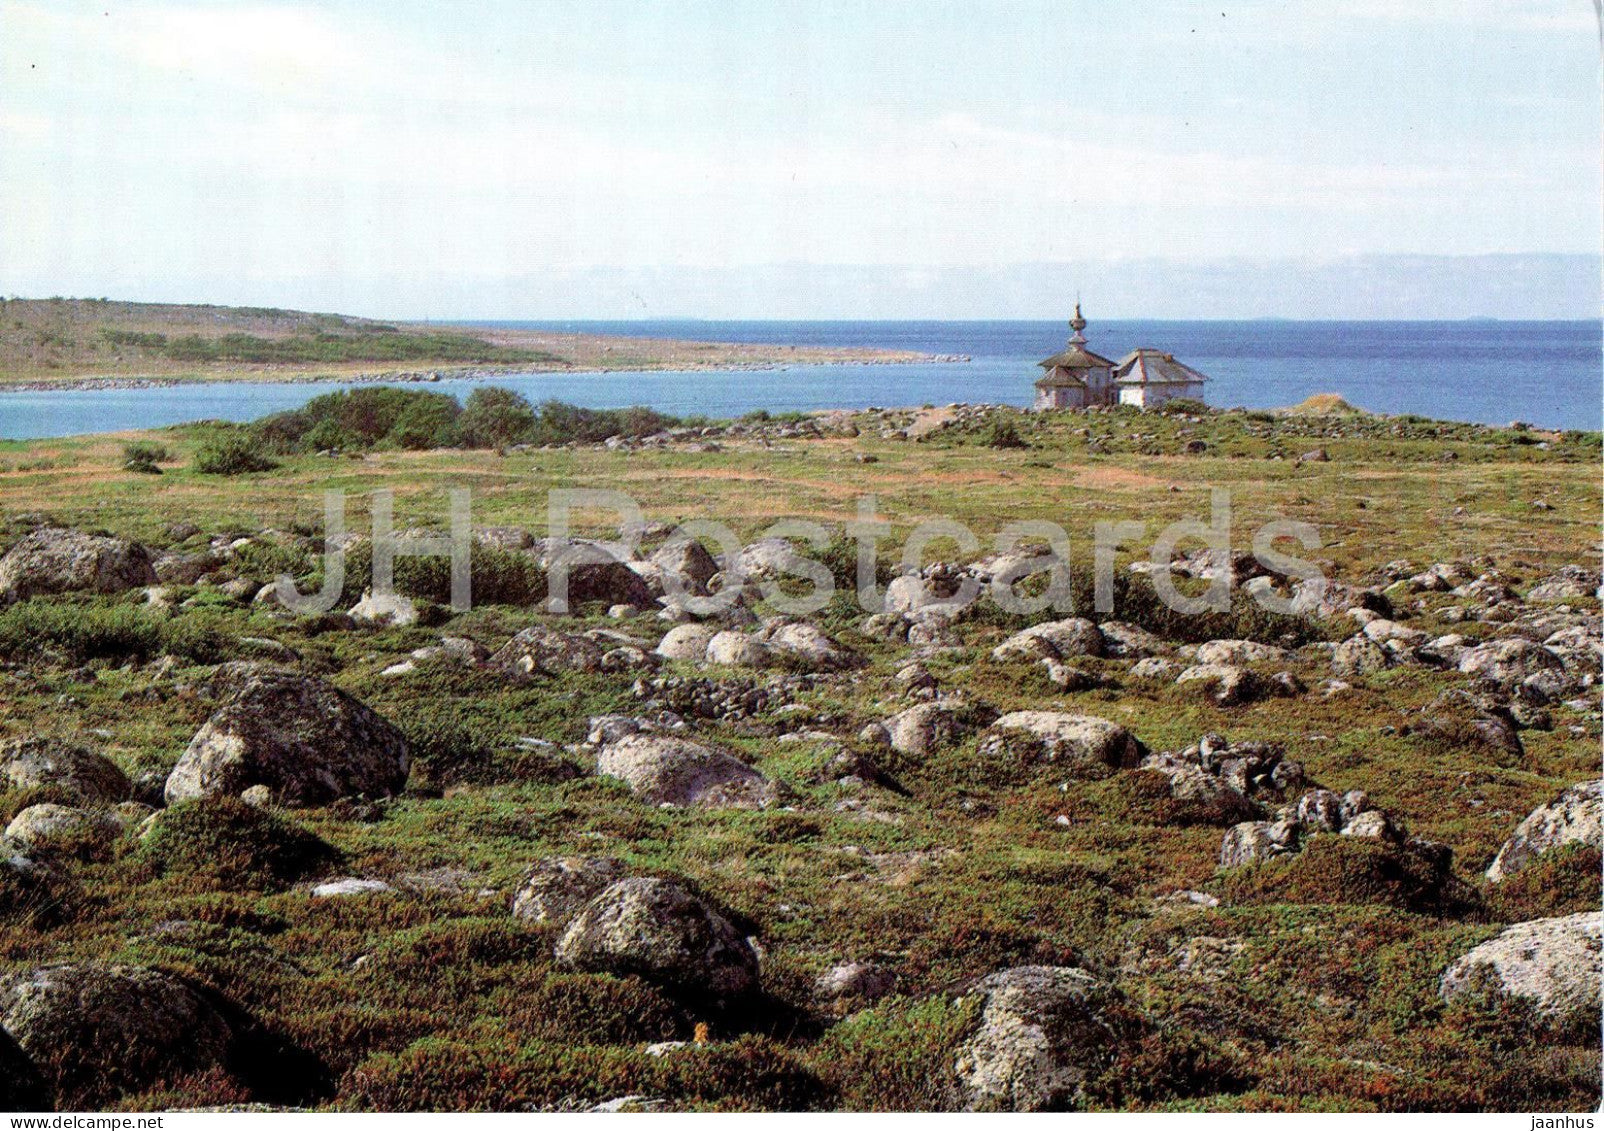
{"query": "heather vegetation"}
{"type": "Point", "coordinates": [1230, 861]}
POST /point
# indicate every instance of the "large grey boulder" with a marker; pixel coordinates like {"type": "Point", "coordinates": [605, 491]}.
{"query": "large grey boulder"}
{"type": "Point", "coordinates": [1125, 641]}
{"type": "Point", "coordinates": [76, 771]}
{"type": "Point", "coordinates": [1044, 1032]}
{"type": "Point", "coordinates": [541, 650]}
{"type": "Point", "coordinates": [99, 1031]}
{"type": "Point", "coordinates": [657, 930]}
{"type": "Point", "coordinates": [49, 829]}
{"type": "Point", "coordinates": [689, 562]}
{"type": "Point", "coordinates": [1240, 652]}
{"type": "Point", "coordinates": [1056, 736]}
{"type": "Point", "coordinates": [810, 645]}
{"type": "Point", "coordinates": [924, 729]}
{"type": "Point", "coordinates": [675, 771]}
{"type": "Point", "coordinates": [737, 649]}
{"type": "Point", "coordinates": [767, 558]}
{"type": "Point", "coordinates": [1358, 656]}
{"type": "Point", "coordinates": [686, 642]}
{"type": "Point", "coordinates": [554, 889]}
{"type": "Point", "coordinates": [1055, 640]}
{"type": "Point", "coordinates": [1571, 818]}
{"type": "Point", "coordinates": [306, 741]}
{"type": "Point", "coordinates": [1554, 963]}
{"type": "Point", "coordinates": [1509, 661]}
{"type": "Point", "coordinates": [52, 559]}
{"type": "Point", "coordinates": [596, 572]}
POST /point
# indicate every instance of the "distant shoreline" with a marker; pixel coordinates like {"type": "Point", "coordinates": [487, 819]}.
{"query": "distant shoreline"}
{"type": "Point", "coordinates": [437, 374]}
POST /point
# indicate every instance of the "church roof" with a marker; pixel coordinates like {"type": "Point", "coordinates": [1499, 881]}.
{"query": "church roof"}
{"type": "Point", "coordinates": [1076, 357]}
{"type": "Point", "coordinates": [1059, 379]}
{"type": "Point", "coordinates": [1154, 367]}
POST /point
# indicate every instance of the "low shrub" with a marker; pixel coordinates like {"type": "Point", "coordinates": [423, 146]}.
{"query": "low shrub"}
{"type": "Point", "coordinates": [231, 455]}
{"type": "Point", "coordinates": [1562, 881]}
{"type": "Point", "coordinates": [224, 840]}
{"type": "Point", "coordinates": [896, 1056]}
{"type": "Point", "coordinates": [1335, 869]}
{"type": "Point", "coordinates": [101, 629]}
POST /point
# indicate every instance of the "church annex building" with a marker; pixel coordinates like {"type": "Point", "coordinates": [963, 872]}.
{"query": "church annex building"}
{"type": "Point", "coordinates": [1079, 378]}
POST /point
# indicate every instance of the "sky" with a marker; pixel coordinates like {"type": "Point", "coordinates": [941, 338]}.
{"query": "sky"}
{"type": "Point", "coordinates": [653, 159]}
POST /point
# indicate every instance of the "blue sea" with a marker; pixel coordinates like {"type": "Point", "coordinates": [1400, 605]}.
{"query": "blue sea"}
{"type": "Point", "coordinates": [1546, 373]}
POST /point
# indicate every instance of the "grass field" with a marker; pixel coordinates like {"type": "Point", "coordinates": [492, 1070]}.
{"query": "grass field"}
{"type": "Point", "coordinates": [1315, 996]}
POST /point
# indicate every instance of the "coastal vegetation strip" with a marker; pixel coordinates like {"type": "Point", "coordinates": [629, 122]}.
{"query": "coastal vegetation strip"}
{"type": "Point", "coordinates": [86, 343]}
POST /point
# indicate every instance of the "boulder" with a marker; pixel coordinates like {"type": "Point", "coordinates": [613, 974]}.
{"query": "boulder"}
{"type": "Point", "coordinates": [675, 771]}
{"type": "Point", "coordinates": [854, 982]}
{"type": "Point", "coordinates": [388, 608]}
{"type": "Point", "coordinates": [1554, 963]}
{"type": "Point", "coordinates": [101, 1031]}
{"type": "Point", "coordinates": [307, 741]}
{"type": "Point", "coordinates": [1055, 640]}
{"type": "Point", "coordinates": [49, 829]}
{"type": "Point", "coordinates": [1045, 1031]}
{"type": "Point", "coordinates": [1237, 652]}
{"type": "Point", "coordinates": [597, 572]}
{"type": "Point", "coordinates": [538, 650]}
{"type": "Point", "coordinates": [554, 889]}
{"type": "Point", "coordinates": [52, 559]}
{"type": "Point", "coordinates": [1124, 641]}
{"type": "Point", "coordinates": [688, 561]}
{"type": "Point", "coordinates": [1566, 584]}
{"type": "Point", "coordinates": [685, 642]}
{"type": "Point", "coordinates": [1509, 661]}
{"type": "Point", "coordinates": [737, 649]}
{"type": "Point", "coordinates": [1253, 841]}
{"type": "Point", "coordinates": [811, 645]}
{"type": "Point", "coordinates": [1357, 656]}
{"type": "Point", "coordinates": [655, 929]}
{"type": "Point", "coordinates": [1055, 736]}
{"type": "Point", "coordinates": [1226, 684]}
{"type": "Point", "coordinates": [76, 771]}
{"type": "Point", "coordinates": [766, 558]}
{"type": "Point", "coordinates": [924, 729]}
{"type": "Point", "coordinates": [1571, 818]}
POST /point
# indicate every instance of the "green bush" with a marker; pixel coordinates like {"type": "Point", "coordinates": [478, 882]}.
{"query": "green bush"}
{"type": "Point", "coordinates": [101, 629]}
{"type": "Point", "coordinates": [145, 457]}
{"type": "Point", "coordinates": [500, 577]}
{"type": "Point", "coordinates": [495, 417]}
{"type": "Point", "coordinates": [224, 840]}
{"type": "Point", "coordinates": [1334, 869]}
{"type": "Point", "coordinates": [1004, 434]}
{"type": "Point", "coordinates": [232, 455]}
{"type": "Point", "coordinates": [897, 1056]}
{"type": "Point", "coordinates": [427, 423]}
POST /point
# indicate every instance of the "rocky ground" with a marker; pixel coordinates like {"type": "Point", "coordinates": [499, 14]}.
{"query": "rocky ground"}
{"type": "Point", "coordinates": [392, 857]}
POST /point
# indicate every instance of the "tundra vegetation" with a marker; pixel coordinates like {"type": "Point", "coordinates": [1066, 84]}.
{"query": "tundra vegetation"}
{"type": "Point", "coordinates": [399, 857]}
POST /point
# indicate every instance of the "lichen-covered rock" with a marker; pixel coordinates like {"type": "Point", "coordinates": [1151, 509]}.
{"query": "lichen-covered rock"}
{"type": "Point", "coordinates": [686, 642]}
{"type": "Point", "coordinates": [52, 559]}
{"type": "Point", "coordinates": [75, 771]}
{"type": "Point", "coordinates": [811, 645]}
{"type": "Point", "coordinates": [1130, 642]}
{"type": "Point", "coordinates": [655, 929]}
{"type": "Point", "coordinates": [1227, 684]}
{"type": "Point", "coordinates": [1065, 738]}
{"type": "Point", "coordinates": [1238, 652]}
{"type": "Point", "coordinates": [675, 771]}
{"type": "Point", "coordinates": [307, 741]}
{"type": "Point", "coordinates": [541, 650]}
{"type": "Point", "coordinates": [49, 829]}
{"type": "Point", "coordinates": [1358, 656]}
{"type": "Point", "coordinates": [554, 889]}
{"type": "Point", "coordinates": [1252, 841]}
{"type": "Point", "coordinates": [1554, 963]}
{"type": "Point", "coordinates": [1509, 661]}
{"type": "Point", "coordinates": [924, 729]}
{"type": "Point", "coordinates": [689, 562]}
{"type": "Point", "coordinates": [99, 1031]}
{"type": "Point", "coordinates": [1571, 818]}
{"type": "Point", "coordinates": [737, 649]}
{"type": "Point", "coordinates": [384, 609]}
{"type": "Point", "coordinates": [1044, 1032]}
{"type": "Point", "coordinates": [1055, 640]}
